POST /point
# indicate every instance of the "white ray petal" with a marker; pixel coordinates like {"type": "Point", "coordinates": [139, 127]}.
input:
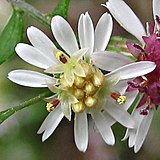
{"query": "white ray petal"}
{"type": "Point", "coordinates": [50, 123]}
{"type": "Point", "coordinates": [81, 131]}
{"type": "Point", "coordinates": [119, 114]}
{"type": "Point", "coordinates": [104, 129]}
{"type": "Point", "coordinates": [156, 8]}
{"type": "Point", "coordinates": [143, 130]}
{"type": "Point", "coordinates": [109, 119]}
{"type": "Point", "coordinates": [110, 61]}
{"type": "Point", "coordinates": [64, 34]}
{"type": "Point", "coordinates": [34, 56]}
{"type": "Point", "coordinates": [40, 41]}
{"type": "Point", "coordinates": [133, 70]}
{"type": "Point", "coordinates": [126, 18]}
{"type": "Point", "coordinates": [103, 32]}
{"type": "Point", "coordinates": [86, 32]}
{"type": "Point", "coordinates": [66, 109]}
{"type": "Point", "coordinates": [30, 78]}
{"type": "Point", "coordinates": [131, 133]}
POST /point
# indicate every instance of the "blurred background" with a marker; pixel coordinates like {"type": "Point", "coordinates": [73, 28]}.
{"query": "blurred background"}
{"type": "Point", "coordinates": [18, 134]}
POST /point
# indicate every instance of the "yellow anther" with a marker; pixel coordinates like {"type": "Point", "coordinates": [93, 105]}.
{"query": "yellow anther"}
{"type": "Point", "coordinates": [50, 107]}
{"type": "Point", "coordinates": [61, 57]}
{"type": "Point", "coordinates": [121, 99]}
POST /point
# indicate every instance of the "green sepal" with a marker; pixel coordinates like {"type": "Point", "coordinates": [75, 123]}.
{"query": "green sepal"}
{"type": "Point", "coordinates": [11, 35]}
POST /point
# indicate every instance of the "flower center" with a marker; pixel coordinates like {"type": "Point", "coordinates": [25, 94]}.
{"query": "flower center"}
{"type": "Point", "coordinates": [84, 89]}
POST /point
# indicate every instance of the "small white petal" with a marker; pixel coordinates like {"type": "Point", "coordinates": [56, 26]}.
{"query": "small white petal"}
{"type": "Point", "coordinates": [40, 41]}
{"type": "Point", "coordinates": [86, 32]}
{"type": "Point", "coordinates": [131, 133]}
{"type": "Point", "coordinates": [126, 18]}
{"type": "Point", "coordinates": [69, 77]}
{"type": "Point", "coordinates": [51, 122]}
{"type": "Point", "coordinates": [110, 61]}
{"type": "Point", "coordinates": [80, 53]}
{"type": "Point", "coordinates": [120, 115]}
{"type": "Point", "coordinates": [79, 71]}
{"type": "Point", "coordinates": [143, 130]}
{"type": "Point", "coordinates": [81, 131]}
{"type": "Point", "coordinates": [156, 8]}
{"type": "Point", "coordinates": [133, 70]}
{"type": "Point", "coordinates": [104, 129]}
{"type": "Point", "coordinates": [55, 69]}
{"type": "Point", "coordinates": [109, 119]}
{"type": "Point", "coordinates": [103, 32]}
{"type": "Point", "coordinates": [30, 78]}
{"type": "Point", "coordinates": [34, 56]}
{"type": "Point", "coordinates": [64, 34]}
{"type": "Point", "coordinates": [66, 109]}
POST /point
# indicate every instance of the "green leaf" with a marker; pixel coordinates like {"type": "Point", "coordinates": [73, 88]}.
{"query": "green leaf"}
{"type": "Point", "coordinates": [8, 112]}
{"type": "Point", "coordinates": [61, 9]}
{"type": "Point", "coordinates": [11, 35]}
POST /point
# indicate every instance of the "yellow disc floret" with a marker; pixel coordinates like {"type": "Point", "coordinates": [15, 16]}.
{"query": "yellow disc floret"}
{"type": "Point", "coordinates": [84, 89]}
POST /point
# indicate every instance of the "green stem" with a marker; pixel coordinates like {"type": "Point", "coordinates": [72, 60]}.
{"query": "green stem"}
{"type": "Point", "coordinates": [7, 113]}
{"type": "Point", "coordinates": [36, 14]}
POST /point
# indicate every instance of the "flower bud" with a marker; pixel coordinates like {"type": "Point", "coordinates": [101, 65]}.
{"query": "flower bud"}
{"type": "Point", "coordinates": [88, 70]}
{"type": "Point", "coordinates": [89, 88]}
{"type": "Point", "coordinates": [90, 101]}
{"type": "Point", "coordinates": [78, 93]}
{"type": "Point", "coordinates": [79, 82]}
{"type": "Point", "coordinates": [78, 107]}
{"type": "Point", "coordinates": [98, 78]}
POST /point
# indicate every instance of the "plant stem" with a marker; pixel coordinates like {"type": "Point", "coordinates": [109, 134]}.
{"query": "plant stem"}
{"type": "Point", "coordinates": [36, 14]}
{"type": "Point", "coordinates": [7, 113]}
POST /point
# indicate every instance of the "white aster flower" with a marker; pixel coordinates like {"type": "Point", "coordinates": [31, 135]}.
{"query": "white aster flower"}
{"type": "Point", "coordinates": [80, 86]}
{"type": "Point", "coordinates": [143, 112]}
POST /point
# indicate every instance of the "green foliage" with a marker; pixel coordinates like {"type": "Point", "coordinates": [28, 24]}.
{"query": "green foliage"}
{"type": "Point", "coordinates": [8, 112]}
{"type": "Point", "coordinates": [61, 9]}
{"type": "Point", "coordinates": [11, 35]}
